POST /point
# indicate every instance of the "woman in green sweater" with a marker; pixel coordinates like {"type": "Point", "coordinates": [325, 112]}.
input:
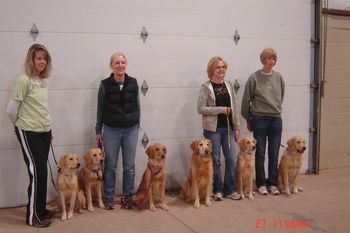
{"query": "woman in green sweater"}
{"type": "Point", "coordinates": [262, 108]}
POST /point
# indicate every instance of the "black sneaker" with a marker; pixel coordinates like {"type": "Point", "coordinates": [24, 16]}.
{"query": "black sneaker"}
{"type": "Point", "coordinates": [109, 204]}
{"type": "Point", "coordinates": [40, 224]}
{"type": "Point", "coordinates": [49, 214]}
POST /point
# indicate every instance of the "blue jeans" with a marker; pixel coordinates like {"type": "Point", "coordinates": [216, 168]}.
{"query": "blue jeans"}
{"type": "Point", "coordinates": [219, 140]}
{"type": "Point", "coordinates": [113, 139]}
{"type": "Point", "coordinates": [269, 128]}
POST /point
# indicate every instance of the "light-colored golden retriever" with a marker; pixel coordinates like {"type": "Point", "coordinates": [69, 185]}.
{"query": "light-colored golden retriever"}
{"type": "Point", "coordinates": [153, 182]}
{"type": "Point", "coordinates": [68, 187]}
{"type": "Point", "coordinates": [290, 165]}
{"type": "Point", "coordinates": [91, 176]}
{"type": "Point", "coordinates": [198, 185]}
{"type": "Point", "coordinates": [245, 167]}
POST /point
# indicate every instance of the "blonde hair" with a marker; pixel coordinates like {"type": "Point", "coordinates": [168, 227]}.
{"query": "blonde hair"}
{"type": "Point", "coordinates": [213, 62]}
{"type": "Point", "coordinates": [29, 66]}
{"type": "Point", "coordinates": [267, 53]}
{"type": "Point", "coordinates": [114, 56]}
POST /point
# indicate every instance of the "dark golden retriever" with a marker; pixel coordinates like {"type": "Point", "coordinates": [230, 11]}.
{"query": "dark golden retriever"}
{"type": "Point", "coordinates": [153, 182]}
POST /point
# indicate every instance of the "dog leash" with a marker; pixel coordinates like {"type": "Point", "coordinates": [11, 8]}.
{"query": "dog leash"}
{"type": "Point", "coordinates": [228, 133]}
{"type": "Point", "coordinates": [54, 157]}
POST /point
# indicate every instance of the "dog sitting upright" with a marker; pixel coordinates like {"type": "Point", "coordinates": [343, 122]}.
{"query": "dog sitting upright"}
{"type": "Point", "coordinates": [199, 183]}
{"type": "Point", "coordinates": [152, 185]}
{"type": "Point", "coordinates": [68, 187]}
{"type": "Point", "coordinates": [290, 165]}
{"type": "Point", "coordinates": [245, 167]}
{"type": "Point", "coordinates": [91, 176]}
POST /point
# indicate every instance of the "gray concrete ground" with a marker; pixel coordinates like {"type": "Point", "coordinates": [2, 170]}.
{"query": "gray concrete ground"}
{"type": "Point", "coordinates": [323, 207]}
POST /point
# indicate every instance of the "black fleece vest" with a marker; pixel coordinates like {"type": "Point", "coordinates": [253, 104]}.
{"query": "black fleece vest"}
{"type": "Point", "coordinates": [120, 109]}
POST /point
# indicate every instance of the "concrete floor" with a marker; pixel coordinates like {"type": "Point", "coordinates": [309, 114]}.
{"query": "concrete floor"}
{"type": "Point", "coordinates": [323, 207]}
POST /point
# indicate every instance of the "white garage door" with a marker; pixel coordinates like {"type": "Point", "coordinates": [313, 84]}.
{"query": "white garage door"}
{"type": "Point", "coordinates": [183, 35]}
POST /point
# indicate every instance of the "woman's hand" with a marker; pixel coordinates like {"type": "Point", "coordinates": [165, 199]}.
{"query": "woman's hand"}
{"type": "Point", "coordinates": [236, 134]}
{"type": "Point", "coordinates": [249, 127]}
{"type": "Point", "coordinates": [99, 139]}
{"type": "Point", "coordinates": [227, 110]}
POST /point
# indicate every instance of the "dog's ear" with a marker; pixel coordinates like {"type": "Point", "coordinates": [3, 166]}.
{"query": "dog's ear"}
{"type": "Point", "coordinates": [194, 146]}
{"type": "Point", "coordinates": [87, 156]}
{"type": "Point", "coordinates": [63, 160]}
{"type": "Point", "coordinates": [165, 149]}
{"type": "Point", "coordinates": [149, 150]}
{"type": "Point", "coordinates": [240, 143]}
{"type": "Point", "coordinates": [291, 143]}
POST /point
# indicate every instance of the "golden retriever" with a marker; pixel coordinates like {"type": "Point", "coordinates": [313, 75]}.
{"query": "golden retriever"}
{"type": "Point", "coordinates": [290, 165]}
{"type": "Point", "coordinates": [245, 167]}
{"type": "Point", "coordinates": [199, 183]}
{"type": "Point", "coordinates": [68, 187]}
{"type": "Point", "coordinates": [153, 182]}
{"type": "Point", "coordinates": [91, 176]}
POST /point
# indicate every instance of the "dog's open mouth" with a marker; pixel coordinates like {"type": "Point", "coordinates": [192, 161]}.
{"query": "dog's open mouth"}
{"type": "Point", "coordinates": [301, 150]}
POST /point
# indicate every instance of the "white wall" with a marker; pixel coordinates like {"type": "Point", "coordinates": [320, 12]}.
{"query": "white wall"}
{"type": "Point", "coordinates": [183, 35]}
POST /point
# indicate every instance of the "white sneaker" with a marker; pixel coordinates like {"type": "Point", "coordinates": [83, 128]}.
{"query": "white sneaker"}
{"type": "Point", "coordinates": [262, 190]}
{"type": "Point", "coordinates": [274, 190]}
{"type": "Point", "coordinates": [218, 197]}
{"type": "Point", "coordinates": [234, 196]}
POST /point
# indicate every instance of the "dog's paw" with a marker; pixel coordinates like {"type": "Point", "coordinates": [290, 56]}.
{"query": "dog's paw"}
{"type": "Point", "coordinates": [80, 211]}
{"type": "Point", "coordinates": [153, 208]}
{"type": "Point", "coordinates": [196, 204]}
{"type": "Point", "coordinates": [165, 207]}
{"type": "Point", "coordinates": [295, 190]}
{"type": "Point", "coordinates": [101, 205]}
{"type": "Point", "coordinates": [300, 189]}
{"type": "Point", "coordinates": [91, 208]}
{"type": "Point", "coordinates": [64, 217]}
{"type": "Point", "coordinates": [70, 215]}
{"type": "Point", "coordinates": [251, 197]}
{"type": "Point", "coordinates": [287, 191]}
{"type": "Point", "coordinates": [208, 203]}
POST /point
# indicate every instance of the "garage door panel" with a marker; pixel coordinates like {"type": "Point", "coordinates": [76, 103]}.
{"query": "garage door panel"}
{"type": "Point", "coordinates": [183, 35]}
{"type": "Point", "coordinates": [14, 188]}
{"type": "Point", "coordinates": [73, 115]}
{"type": "Point", "coordinates": [171, 113]}
{"type": "Point", "coordinates": [295, 108]}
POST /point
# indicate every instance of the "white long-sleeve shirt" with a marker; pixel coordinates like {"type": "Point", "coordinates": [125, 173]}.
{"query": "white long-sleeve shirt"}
{"type": "Point", "coordinates": [12, 110]}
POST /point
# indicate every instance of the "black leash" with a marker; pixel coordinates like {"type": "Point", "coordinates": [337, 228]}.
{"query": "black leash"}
{"type": "Point", "coordinates": [54, 157]}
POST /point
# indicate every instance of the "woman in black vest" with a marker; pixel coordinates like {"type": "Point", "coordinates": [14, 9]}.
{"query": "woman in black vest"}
{"type": "Point", "coordinates": [117, 126]}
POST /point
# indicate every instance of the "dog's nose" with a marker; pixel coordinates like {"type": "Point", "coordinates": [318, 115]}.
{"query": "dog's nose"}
{"type": "Point", "coordinates": [206, 151]}
{"type": "Point", "coordinates": [253, 147]}
{"type": "Point", "coordinates": [163, 156]}
{"type": "Point", "coordinates": [101, 160]}
{"type": "Point", "coordinates": [78, 165]}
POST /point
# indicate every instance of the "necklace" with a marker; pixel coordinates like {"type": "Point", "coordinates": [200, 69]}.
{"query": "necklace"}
{"type": "Point", "coordinates": [220, 90]}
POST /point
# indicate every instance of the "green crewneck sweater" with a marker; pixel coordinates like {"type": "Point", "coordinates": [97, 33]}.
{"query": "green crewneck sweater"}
{"type": "Point", "coordinates": [263, 95]}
